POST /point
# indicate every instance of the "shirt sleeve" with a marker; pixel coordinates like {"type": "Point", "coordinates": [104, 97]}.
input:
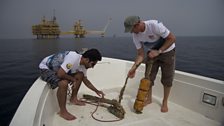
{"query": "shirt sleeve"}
{"type": "Point", "coordinates": [160, 29]}
{"type": "Point", "coordinates": [68, 63]}
{"type": "Point", "coordinates": [137, 43]}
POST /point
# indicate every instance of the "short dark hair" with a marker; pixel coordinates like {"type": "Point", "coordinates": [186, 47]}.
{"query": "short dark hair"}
{"type": "Point", "coordinates": [92, 54]}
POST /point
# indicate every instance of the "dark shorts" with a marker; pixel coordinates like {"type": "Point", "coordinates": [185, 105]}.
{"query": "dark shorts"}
{"type": "Point", "coordinates": [166, 61]}
{"type": "Point", "coordinates": [50, 77]}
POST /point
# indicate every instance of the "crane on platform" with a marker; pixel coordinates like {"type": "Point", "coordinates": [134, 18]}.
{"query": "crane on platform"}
{"type": "Point", "coordinates": [80, 32]}
{"type": "Point", "coordinates": [100, 32]}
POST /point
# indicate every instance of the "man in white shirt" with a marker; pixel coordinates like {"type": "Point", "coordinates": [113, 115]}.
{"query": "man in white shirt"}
{"type": "Point", "coordinates": [62, 68]}
{"type": "Point", "coordinates": [160, 44]}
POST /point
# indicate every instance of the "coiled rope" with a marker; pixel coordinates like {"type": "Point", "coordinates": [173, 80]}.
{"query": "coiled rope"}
{"type": "Point", "coordinates": [97, 106]}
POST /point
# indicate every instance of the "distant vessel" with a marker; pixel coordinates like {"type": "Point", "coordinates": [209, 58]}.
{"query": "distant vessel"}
{"type": "Point", "coordinates": [46, 29]}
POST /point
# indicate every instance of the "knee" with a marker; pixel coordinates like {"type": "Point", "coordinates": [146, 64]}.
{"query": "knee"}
{"type": "Point", "coordinates": [79, 76]}
{"type": "Point", "coordinates": [166, 84]}
{"type": "Point", "coordinates": [63, 84]}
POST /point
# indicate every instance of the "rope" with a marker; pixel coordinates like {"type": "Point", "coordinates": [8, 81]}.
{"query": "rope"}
{"type": "Point", "coordinates": [148, 68]}
{"type": "Point", "coordinates": [122, 90]}
{"type": "Point", "coordinates": [69, 93]}
{"type": "Point", "coordinates": [69, 90]}
{"type": "Point", "coordinates": [97, 106]}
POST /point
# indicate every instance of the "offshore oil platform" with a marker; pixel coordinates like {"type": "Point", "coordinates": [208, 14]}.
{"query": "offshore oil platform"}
{"type": "Point", "coordinates": [80, 32]}
{"type": "Point", "coordinates": [50, 29]}
{"type": "Point", "coordinates": [46, 29]}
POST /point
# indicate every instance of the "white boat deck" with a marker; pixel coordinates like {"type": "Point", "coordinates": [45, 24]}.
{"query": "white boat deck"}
{"type": "Point", "coordinates": [151, 116]}
{"type": "Point", "coordinates": [186, 106]}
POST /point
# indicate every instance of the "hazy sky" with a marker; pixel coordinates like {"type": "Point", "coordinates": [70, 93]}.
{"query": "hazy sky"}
{"type": "Point", "coordinates": [182, 17]}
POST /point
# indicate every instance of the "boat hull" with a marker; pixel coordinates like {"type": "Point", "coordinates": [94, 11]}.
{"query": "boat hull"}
{"type": "Point", "coordinates": [39, 107]}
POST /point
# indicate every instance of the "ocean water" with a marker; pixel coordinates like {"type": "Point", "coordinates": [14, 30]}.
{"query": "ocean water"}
{"type": "Point", "coordinates": [19, 60]}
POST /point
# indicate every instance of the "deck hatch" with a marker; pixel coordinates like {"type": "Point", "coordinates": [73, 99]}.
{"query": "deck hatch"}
{"type": "Point", "coordinates": [209, 99]}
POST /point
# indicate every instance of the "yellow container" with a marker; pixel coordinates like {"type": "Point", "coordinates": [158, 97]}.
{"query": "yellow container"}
{"type": "Point", "coordinates": [142, 94]}
{"type": "Point", "coordinates": [144, 85]}
{"type": "Point", "coordinates": [138, 106]}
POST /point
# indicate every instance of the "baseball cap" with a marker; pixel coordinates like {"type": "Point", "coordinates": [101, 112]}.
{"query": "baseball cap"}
{"type": "Point", "coordinates": [129, 22]}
